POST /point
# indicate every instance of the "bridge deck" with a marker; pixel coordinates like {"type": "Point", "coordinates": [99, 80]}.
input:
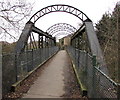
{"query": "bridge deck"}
{"type": "Point", "coordinates": [56, 80]}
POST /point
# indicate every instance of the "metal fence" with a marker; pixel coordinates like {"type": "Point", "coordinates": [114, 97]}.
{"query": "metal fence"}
{"type": "Point", "coordinates": [8, 72]}
{"type": "Point", "coordinates": [16, 66]}
{"type": "Point", "coordinates": [98, 84]}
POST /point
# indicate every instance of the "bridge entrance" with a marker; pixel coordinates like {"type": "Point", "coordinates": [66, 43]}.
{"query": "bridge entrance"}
{"type": "Point", "coordinates": [81, 44]}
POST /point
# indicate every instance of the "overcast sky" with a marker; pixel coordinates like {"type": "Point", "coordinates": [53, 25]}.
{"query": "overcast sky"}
{"type": "Point", "coordinates": [94, 9]}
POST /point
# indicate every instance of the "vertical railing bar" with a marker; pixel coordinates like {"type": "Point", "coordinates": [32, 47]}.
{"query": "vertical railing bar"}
{"type": "Point", "coordinates": [16, 66]}
{"type": "Point", "coordinates": [32, 59]}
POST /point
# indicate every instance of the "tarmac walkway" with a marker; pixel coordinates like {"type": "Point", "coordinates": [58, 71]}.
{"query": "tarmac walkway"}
{"type": "Point", "coordinates": [51, 82]}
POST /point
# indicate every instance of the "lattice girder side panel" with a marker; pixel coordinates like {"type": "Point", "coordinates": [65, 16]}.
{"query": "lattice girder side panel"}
{"type": "Point", "coordinates": [89, 42]}
{"type": "Point", "coordinates": [28, 33]}
{"type": "Point", "coordinates": [94, 77]}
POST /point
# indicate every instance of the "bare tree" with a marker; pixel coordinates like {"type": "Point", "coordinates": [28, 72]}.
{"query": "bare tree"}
{"type": "Point", "coordinates": [13, 15]}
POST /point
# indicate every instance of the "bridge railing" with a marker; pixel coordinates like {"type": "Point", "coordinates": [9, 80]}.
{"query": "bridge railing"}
{"type": "Point", "coordinates": [98, 84]}
{"type": "Point", "coordinates": [17, 66]}
{"type": "Point", "coordinates": [8, 72]}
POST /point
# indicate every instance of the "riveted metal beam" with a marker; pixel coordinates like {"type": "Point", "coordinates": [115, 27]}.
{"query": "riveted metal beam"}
{"type": "Point", "coordinates": [79, 31]}
{"type": "Point", "coordinates": [24, 37]}
{"type": "Point", "coordinates": [39, 31]}
{"type": "Point", "coordinates": [26, 33]}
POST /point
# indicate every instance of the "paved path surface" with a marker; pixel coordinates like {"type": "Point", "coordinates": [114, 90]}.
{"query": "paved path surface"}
{"type": "Point", "coordinates": [50, 84]}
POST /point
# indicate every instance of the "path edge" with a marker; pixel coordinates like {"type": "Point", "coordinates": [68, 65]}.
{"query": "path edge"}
{"type": "Point", "coordinates": [83, 89]}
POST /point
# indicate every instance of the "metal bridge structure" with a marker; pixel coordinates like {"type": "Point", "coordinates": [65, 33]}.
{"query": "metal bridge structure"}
{"type": "Point", "coordinates": [84, 51]}
{"type": "Point", "coordinates": [57, 29]}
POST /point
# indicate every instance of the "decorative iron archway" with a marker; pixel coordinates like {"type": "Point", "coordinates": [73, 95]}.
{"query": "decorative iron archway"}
{"type": "Point", "coordinates": [61, 27]}
{"type": "Point", "coordinates": [59, 8]}
{"type": "Point", "coordinates": [30, 25]}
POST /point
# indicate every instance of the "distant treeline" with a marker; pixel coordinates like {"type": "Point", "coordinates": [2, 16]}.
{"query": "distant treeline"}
{"type": "Point", "coordinates": [8, 47]}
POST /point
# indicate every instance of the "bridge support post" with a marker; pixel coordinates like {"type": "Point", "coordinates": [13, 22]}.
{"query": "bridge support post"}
{"type": "Point", "coordinates": [95, 46]}
{"type": "Point", "coordinates": [93, 79]}
{"type": "Point", "coordinates": [32, 60]}
{"type": "Point", "coordinates": [24, 37]}
{"type": "Point", "coordinates": [16, 66]}
{"type": "Point", "coordinates": [78, 51]}
{"type": "Point", "coordinates": [39, 40]}
{"type": "Point", "coordinates": [54, 41]}
{"type": "Point", "coordinates": [75, 49]}
{"type": "Point", "coordinates": [42, 42]}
